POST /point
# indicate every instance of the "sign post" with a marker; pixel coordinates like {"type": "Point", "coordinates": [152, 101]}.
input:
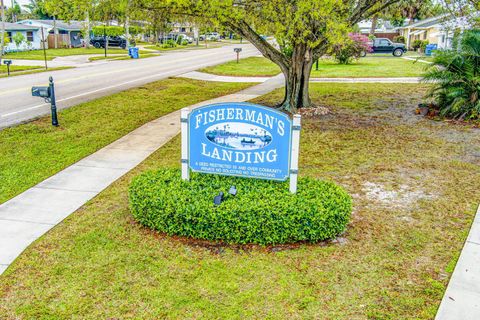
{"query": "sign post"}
{"type": "Point", "coordinates": [238, 50]}
{"type": "Point", "coordinates": [7, 63]}
{"type": "Point", "coordinates": [184, 127]}
{"type": "Point", "coordinates": [295, 149]}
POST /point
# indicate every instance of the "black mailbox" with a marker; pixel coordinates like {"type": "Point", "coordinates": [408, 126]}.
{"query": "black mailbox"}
{"type": "Point", "coordinates": [43, 92]}
{"type": "Point", "coordinates": [237, 50]}
{"type": "Point", "coordinates": [7, 62]}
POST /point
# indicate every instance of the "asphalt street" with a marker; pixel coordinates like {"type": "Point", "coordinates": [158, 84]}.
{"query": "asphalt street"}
{"type": "Point", "coordinates": [74, 86]}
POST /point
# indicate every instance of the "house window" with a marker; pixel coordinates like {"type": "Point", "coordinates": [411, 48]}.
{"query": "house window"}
{"type": "Point", "coordinates": [183, 29]}
{"type": "Point", "coordinates": [9, 36]}
{"type": "Point", "coordinates": [30, 36]}
{"type": "Point", "coordinates": [425, 36]}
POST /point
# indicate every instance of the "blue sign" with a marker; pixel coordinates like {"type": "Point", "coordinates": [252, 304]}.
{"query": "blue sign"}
{"type": "Point", "coordinates": [240, 139]}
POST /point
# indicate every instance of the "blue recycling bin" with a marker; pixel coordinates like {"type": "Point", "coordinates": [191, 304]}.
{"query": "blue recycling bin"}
{"type": "Point", "coordinates": [430, 48]}
{"type": "Point", "coordinates": [133, 52]}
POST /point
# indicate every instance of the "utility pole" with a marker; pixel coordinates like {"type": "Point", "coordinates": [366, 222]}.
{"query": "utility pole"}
{"type": "Point", "coordinates": [87, 34]}
{"type": "Point", "coordinates": [44, 49]}
{"type": "Point", "coordinates": [55, 32]}
{"type": "Point", "coordinates": [105, 42]}
{"type": "Point", "coordinates": [127, 25]}
{"type": "Point", "coordinates": [2, 34]}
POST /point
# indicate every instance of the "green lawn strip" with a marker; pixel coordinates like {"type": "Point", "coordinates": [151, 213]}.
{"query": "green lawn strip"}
{"type": "Point", "coordinates": [123, 57]}
{"type": "Point", "coordinates": [395, 264]}
{"type": "Point", "coordinates": [160, 48]}
{"type": "Point", "coordinates": [14, 68]}
{"type": "Point", "coordinates": [34, 151]}
{"type": "Point", "coordinates": [363, 68]}
{"type": "Point", "coordinates": [30, 70]}
{"type": "Point", "coordinates": [370, 67]}
{"type": "Point", "coordinates": [54, 53]}
{"type": "Point", "coordinates": [252, 66]}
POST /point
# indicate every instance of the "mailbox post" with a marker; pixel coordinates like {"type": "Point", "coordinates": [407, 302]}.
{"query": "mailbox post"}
{"type": "Point", "coordinates": [53, 104]}
{"type": "Point", "coordinates": [48, 93]}
{"type": "Point", "coordinates": [238, 50]}
{"type": "Point", "coordinates": [7, 63]}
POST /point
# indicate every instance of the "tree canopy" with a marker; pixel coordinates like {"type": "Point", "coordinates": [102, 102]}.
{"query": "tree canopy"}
{"type": "Point", "coordinates": [304, 30]}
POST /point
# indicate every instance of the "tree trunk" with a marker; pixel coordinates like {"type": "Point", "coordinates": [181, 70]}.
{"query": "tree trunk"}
{"type": "Point", "coordinates": [297, 78]}
{"type": "Point", "coordinates": [374, 25]}
{"type": "Point", "coordinates": [2, 31]}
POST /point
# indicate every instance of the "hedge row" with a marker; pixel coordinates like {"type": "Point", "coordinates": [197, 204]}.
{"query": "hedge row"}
{"type": "Point", "coordinates": [262, 212]}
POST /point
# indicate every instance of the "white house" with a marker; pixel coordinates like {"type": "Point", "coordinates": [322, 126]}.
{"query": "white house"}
{"type": "Point", "coordinates": [69, 34]}
{"type": "Point", "coordinates": [31, 37]}
{"type": "Point", "coordinates": [437, 30]}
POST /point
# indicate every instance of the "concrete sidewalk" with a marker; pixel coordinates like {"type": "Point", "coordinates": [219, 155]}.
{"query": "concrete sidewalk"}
{"type": "Point", "coordinates": [462, 297]}
{"type": "Point", "coordinates": [31, 214]}
{"type": "Point", "coordinates": [196, 75]}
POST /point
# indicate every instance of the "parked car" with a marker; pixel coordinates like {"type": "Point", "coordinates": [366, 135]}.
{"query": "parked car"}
{"type": "Point", "coordinates": [166, 37]}
{"type": "Point", "coordinates": [384, 45]}
{"type": "Point", "coordinates": [117, 41]}
{"type": "Point", "coordinates": [186, 37]}
{"type": "Point", "coordinates": [212, 36]}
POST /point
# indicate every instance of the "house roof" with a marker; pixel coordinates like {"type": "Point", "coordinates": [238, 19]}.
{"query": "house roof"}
{"type": "Point", "coordinates": [61, 25]}
{"type": "Point", "coordinates": [426, 22]}
{"type": "Point", "coordinates": [18, 27]}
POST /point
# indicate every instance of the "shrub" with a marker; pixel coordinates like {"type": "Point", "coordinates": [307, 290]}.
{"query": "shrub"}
{"type": "Point", "coordinates": [355, 47]}
{"type": "Point", "coordinates": [169, 44]}
{"type": "Point", "coordinates": [18, 38]}
{"type": "Point", "coordinates": [399, 39]}
{"type": "Point", "coordinates": [419, 44]}
{"type": "Point", "coordinates": [455, 75]}
{"type": "Point", "coordinates": [262, 212]}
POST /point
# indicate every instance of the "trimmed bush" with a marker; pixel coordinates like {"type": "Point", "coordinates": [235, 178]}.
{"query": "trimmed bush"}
{"type": "Point", "coordinates": [262, 212]}
{"type": "Point", "coordinates": [399, 39]}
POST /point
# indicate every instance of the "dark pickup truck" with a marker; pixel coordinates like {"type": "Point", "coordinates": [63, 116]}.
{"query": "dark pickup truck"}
{"type": "Point", "coordinates": [99, 42]}
{"type": "Point", "coordinates": [384, 45]}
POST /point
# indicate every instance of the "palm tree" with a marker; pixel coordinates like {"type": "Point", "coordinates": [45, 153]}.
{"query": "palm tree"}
{"type": "Point", "coordinates": [456, 79]}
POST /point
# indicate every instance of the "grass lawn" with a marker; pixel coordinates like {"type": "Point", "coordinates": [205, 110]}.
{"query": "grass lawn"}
{"type": "Point", "coordinates": [160, 48]}
{"type": "Point", "coordinates": [34, 151]}
{"type": "Point", "coordinates": [54, 53]}
{"type": "Point", "coordinates": [414, 183]}
{"type": "Point", "coordinates": [123, 57]}
{"type": "Point", "coordinates": [252, 66]}
{"type": "Point", "coordinates": [21, 70]}
{"type": "Point", "coordinates": [365, 67]}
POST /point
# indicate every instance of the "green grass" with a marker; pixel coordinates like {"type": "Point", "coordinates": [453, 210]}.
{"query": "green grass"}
{"type": "Point", "coordinates": [54, 53]}
{"type": "Point", "coordinates": [14, 68]}
{"type": "Point", "coordinates": [21, 70]}
{"type": "Point", "coordinates": [160, 48]}
{"type": "Point", "coordinates": [123, 57]}
{"type": "Point", "coordinates": [34, 151]}
{"type": "Point", "coordinates": [395, 264]}
{"type": "Point", "coordinates": [363, 68]}
{"type": "Point", "coordinates": [252, 66]}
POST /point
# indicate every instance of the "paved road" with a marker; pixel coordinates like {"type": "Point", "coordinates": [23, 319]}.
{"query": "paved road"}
{"type": "Point", "coordinates": [78, 85]}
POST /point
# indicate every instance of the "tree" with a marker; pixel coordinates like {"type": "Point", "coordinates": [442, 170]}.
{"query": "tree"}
{"type": "Point", "coordinates": [18, 38]}
{"type": "Point", "coordinates": [455, 76]}
{"type": "Point", "coordinates": [36, 10]}
{"type": "Point", "coordinates": [303, 29]}
{"type": "Point", "coordinates": [13, 12]}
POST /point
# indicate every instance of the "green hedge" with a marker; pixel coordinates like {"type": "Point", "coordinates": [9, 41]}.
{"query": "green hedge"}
{"type": "Point", "coordinates": [262, 212]}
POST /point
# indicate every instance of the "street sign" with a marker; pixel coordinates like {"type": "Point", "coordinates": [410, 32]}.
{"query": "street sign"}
{"type": "Point", "coordinates": [239, 139]}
